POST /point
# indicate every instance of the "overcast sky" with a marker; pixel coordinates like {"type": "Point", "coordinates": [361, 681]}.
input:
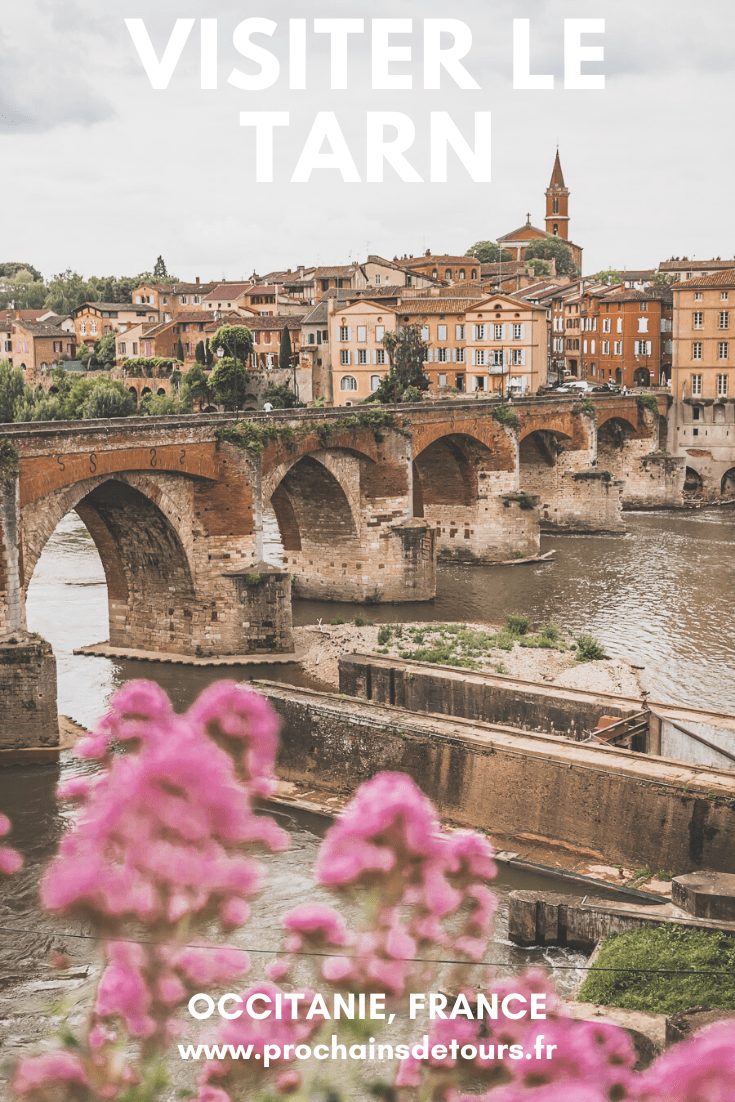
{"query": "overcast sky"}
{"type": "Point", "coordinates": [101, 174]}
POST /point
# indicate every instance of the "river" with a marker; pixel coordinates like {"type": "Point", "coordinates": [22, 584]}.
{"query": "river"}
{"type": "Point", "coordinates": [663, 596]}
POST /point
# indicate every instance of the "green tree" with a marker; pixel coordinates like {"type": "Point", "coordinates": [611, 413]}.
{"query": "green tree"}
{"type": "Point", "coordinates": [46, 407]}
{"type": "Point", "coordinates": [539, 267]}
{"type": "Point", "coordinates": [282, 397]}
{"type": "Point", "coordinates": [407, 352]}
{"type": "Point", "coordinates": [159, 269]}
{"type": "Point", "coordinates": [489, 252]}
{"type": "Point", "coordinates": [9, 269]}
{"type": "Point", "coordinates": [107, 398]}
{"type": "Point", "coordinates": [608, 276]}
{"type": "Point", "coordinates": [164, 405]}
{"type": "Point", "coordinates": [284, 357]}
{"type": "Point", "coordinates": [68, 290]}
{"type": "Point", "coordinates": [236, 341]}
{"type": "Point", "coordinates": [104, 351]}
{"type": "Point", "coordinates": [180, 350]}
{"type": "Point", "coordinates": [229, 382]}
{"type": "Point", "coordinates": [195, 387]}
{"type": "Point", "coordinates": [199, 353]}
{"type": "Point", "coordinates": [12, 390]}
{"type": "Point", "coordinates": [85, 353]}
{"type": "Point", "coordinates": [553, 248]}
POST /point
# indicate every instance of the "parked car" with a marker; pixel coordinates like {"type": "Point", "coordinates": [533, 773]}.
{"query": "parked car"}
{"type": "Point", "coordinates": [579, 386]}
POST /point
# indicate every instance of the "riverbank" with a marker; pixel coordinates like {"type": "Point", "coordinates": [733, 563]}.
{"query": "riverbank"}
{"type": "Point", "coordinates": [489, 648]}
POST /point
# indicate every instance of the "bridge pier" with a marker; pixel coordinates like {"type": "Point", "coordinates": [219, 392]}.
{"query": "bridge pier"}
{"type": "Point", "coordinates": [576, 493]}
{"type": "Point", "coordinates": [468, 491]}
{"type": "Point", "coordinates": [27, 663]}
{"type": "Point", "coordinates": [636, 456]}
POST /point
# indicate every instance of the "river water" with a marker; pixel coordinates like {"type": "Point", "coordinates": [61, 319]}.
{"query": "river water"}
{"type": "Point", "coordinates": [663, 596]}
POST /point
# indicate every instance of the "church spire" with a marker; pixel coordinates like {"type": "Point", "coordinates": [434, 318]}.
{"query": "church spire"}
{"type": "Point", "coordinates": [557, 203]}
{"type": "Point", "coordinates": [557, 176]}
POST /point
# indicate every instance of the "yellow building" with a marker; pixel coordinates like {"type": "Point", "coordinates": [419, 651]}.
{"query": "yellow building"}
{"type": "Point", "coordinates": [359, 360]}
{"type": "Point", "coordinates": [506, 346]}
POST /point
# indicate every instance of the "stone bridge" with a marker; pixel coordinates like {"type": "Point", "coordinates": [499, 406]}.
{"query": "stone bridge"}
{"type": "Point", "coordinates": [363, 500]}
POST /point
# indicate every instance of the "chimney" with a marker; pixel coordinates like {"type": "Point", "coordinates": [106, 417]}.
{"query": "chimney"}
{"type": "Point", "coordinates": [198, 281]}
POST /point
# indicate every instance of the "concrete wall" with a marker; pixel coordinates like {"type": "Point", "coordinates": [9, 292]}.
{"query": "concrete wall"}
{"type": "Point", "coordinates": [625, 808]}
{"type": "Point", "coordinates": [478, 696]}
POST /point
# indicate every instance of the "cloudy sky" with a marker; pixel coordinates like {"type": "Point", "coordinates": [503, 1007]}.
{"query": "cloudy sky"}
{"type": "Point", "coordinates": [101, 173]}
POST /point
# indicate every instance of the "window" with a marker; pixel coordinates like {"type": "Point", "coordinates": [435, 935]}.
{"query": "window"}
{"type": "Point", "coordinates": [644, 306]}
{"type": "Point", "coordinates": [724, 319]}
{"type": "Point", "coordinates": [607, 325]}
{"type": "Point", "coordinates": [697, 296]}
{"type": "Point", "coordinates": [348, 382]}
{"type": "Point", "coordinates": [375, 379]}
{"type": "Point", "coordinates": [380, 356]}
{"type": "Point", "coordinates": [93, 329]}
{"type": "Point", "coordinates": [379, 332]}
{"type": "Point", "coordinates": [722, 386]}
{"type": "Point", "coordinates": [724, 296]}
{"type": "Point", "coordinates": [462, 273]}
{"type": "Point", "coordinates": [442, 380]}
{"type": "Point", "coordinates": [362, 333]}
{"type": "Point", "coordinates": [698, 319]}
{"type": "Point", "coordinates": [643, 348]}
{"type": "Point", "coordinates": [460, 355]}
{"type": "Point", "coordinates": [459, 332]}
{"type": "Point", "coordinates": [618, 348]}
{"type": "Point", "coordinates": [606, 348]}
{"type": "Point", "coordinates": [517, 332]}
{"type": "Point", "coordinates": [480, 356]}
{"type": "Point", "coordinates": [696, 413]}
{"type": "Point", "coordinates": [344, 357]}
{"type": "Point", "coordinates": [697, 350]}
{"type": "Point", "coordinates": [517, 357]}
{"type": "Point", "coordinates": [497, 357]}
{"type": "Point", "coordinates": [198, 299]}
{"type": "Point", "coordinates": [441, 332]}
{"type": "Point", "coordinates": [123, 348]}
{"type": "Point", "coordinates": [642, 325]}
{"type": "Point", "coordinates": [184, 300]}
{"type": "Point", "coordinates": [424, 332]}
{"type": "Point", "coordinates": [377, 284]}
{"type": "Point", "coordinates": [498, 332]}
{"type": "Point", "coordinates": [474, 273]}
{"type": "Point", "coordinates": [479, 332]}
{"type": "Point", "coordinates": [441, 355]}
{"type": "Point", "coordinates": [619, 325]}
{"type": "Point", "coordinates": [83, 328]}
{"type": "Point", "coordinates": [696, 384]}
{"type": "Point", "coordinates": [723, 350]}
{"type": "Point", "coordinates": [448, 273]}
{"type": "Point", "coordinates": [344, 332]}
{"type": "Point", "coordinates": [362, 356]}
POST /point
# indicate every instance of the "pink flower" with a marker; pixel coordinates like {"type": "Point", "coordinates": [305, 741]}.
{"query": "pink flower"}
{"type": "Point", "coordinates": [244, 720]}
{"type": "Point", "coordinates": [701, 1069]}
{"type": "Point", "coordinates": [288, 1081]}
{"type": "Point", "coordinates": [318, 923]}
{"type": "Point", "coordinates": [5, 825]}
{"type": "Point", "coordinates": [10, 860]}
{"type": "Point", "coordinates": [38, 1072]}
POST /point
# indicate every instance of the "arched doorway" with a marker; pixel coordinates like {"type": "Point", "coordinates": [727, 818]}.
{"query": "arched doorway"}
{"type": "Point", "coordinates": [642, 376]}
{"type": "Point", "coordinates": [727, 485]}
{"type": "Point", "coordinates": [693, 483]}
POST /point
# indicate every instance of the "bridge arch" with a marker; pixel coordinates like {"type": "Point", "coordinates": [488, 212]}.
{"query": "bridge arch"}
{"type": "Point", "coordinates": [727, 485]}
{"type": "Point", "coordinates": [136, 526]}
{"type": "Point", "coordinates": [693, 483]}
{"type": "Point", "coordinates": [447, 472]}
{"type": "Point", "coordinates": [312, 507]}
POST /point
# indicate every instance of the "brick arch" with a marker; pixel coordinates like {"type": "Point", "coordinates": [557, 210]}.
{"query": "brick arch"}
{"type": "Point", "coordinates": [485, 433]}
{"type": "Point", "coordinates": [446, 472]}
{"type": "Point", "coordinates": [279, 455]}
{"type": "Point", "coordinates": [611, 418]}
{"type": "Point", "coordinates": [313, 505]}
{"type": "Point", "coordinates": [40, 519]}
{"type": "Point", "coordinates": [147, 568]}
{"type": "Point", "coordinates": [542, 447]}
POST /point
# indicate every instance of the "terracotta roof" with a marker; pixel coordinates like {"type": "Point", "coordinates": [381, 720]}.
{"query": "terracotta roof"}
{"type": "Point", "coordinates": [39, 329]}
{"type": "Point", "coordinates": [715, 279]}
{"type": "Point", "coordinates": [335, 272]}
{"type": "Point", "coordinates": [228, 291]}
{"type": "Point", "coordinates": [270, 322]}
{"type": "Point", "coordinates": [699, 265]}
{"type": "Point", "coordinates": [318, 315]}
{"type": "Point", "coordinates": [632, 294]}
{"type": "Point", "coordinates": [423, 306]}
{"type": "Point", "coordinates": [436, 258]}
{"type": "Point", "coordinates": [117, 307]}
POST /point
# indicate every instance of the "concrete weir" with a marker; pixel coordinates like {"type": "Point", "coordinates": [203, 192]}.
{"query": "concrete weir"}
{"type": "Point", "coordinates": [624, 807]}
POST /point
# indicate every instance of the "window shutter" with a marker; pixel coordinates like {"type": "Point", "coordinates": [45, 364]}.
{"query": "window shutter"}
{"type": "Point", "coordinates": [349, 332]}
{"type": "Point", "coordinates": [429, 355]}
{"type": "Point", "coordinates": [523, 357]}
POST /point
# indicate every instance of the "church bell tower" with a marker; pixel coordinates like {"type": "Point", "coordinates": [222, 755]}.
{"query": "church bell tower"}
{"type": "Point", "coordinates": [557, 203]}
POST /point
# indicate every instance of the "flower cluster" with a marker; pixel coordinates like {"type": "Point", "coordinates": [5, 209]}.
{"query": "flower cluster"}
{"type": "Point", "coordinates": [10, 860]}
{"type": "Point", "coordinates": [160, 850]}
{"type": "Point", "coordinates": [160, 846]}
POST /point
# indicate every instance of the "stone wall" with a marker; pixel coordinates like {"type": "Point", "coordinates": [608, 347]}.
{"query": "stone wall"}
{"type": "Point", "coordinates": [478, 696]}
{"type": "Point", "coordinates": [611, 804]}
{"type": "Point", "coordinates": [27, 693]}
